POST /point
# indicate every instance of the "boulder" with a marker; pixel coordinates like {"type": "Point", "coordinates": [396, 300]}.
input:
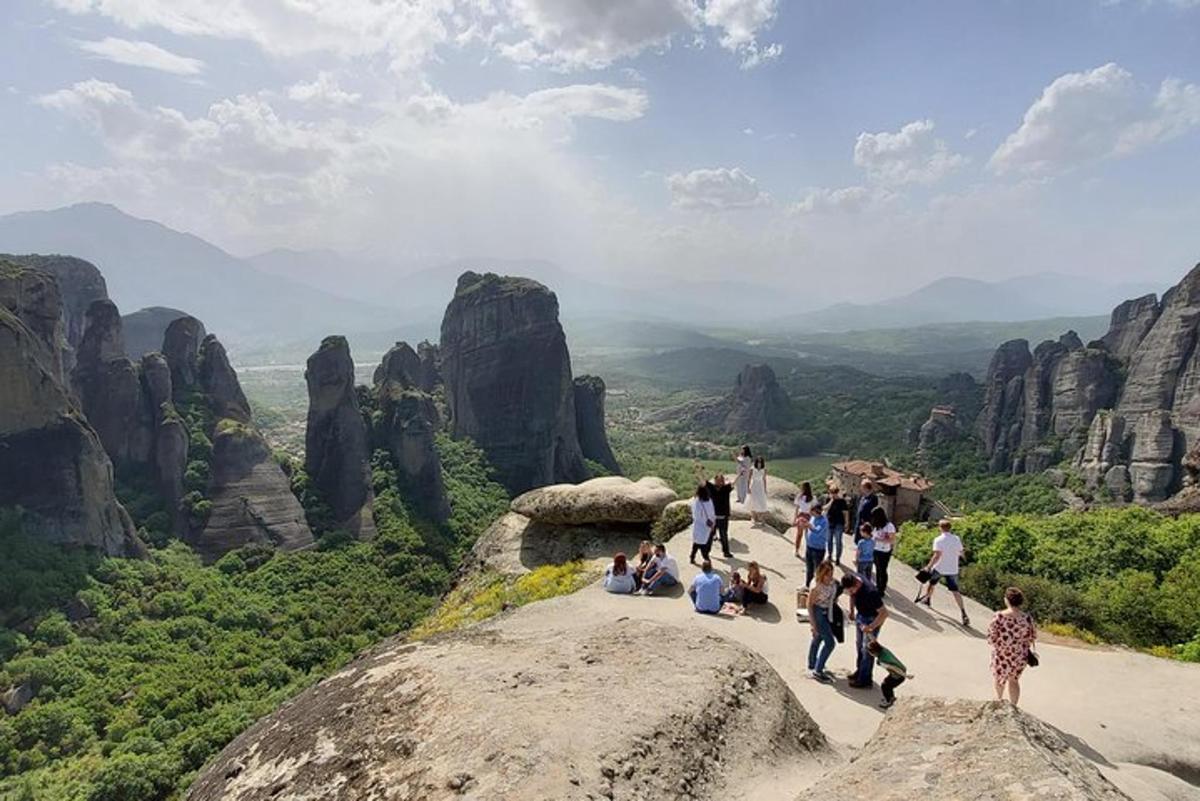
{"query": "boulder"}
{"type": "Point", "coordinates": [507, 375]}
{"type": "Point", "coordinates": [252, 500]}
{"type": "Point", "coordinates": [16, 698]}
{"type": "Point", "coordinates": [612, 499]}
{"type": "Point", "coordinates": [757, 404]}
{"type": "Point", "coordinates": [939, 750]}
{"type": "Point", "coordinates": [1118, 483]}
{"type": "Point", "coordinates": [181, 347]}
{"type": "Point", "coordinates": [522, 689]}
{"type": "Point", "coordinates": [52, 463]}
{"type": "Point", "coordinates": [219, 382]}
{"type": "Point", "coordinates": [590, 423]}
{"type": "Point", "coordinates": [336, 448]}
{"type": "Point", "coordinates": [146, 328]}
{"type": "Point", "coordinates": [514, 544]}
{"type": "Point", "coordinates": [1130, 323]}
{"type": "Point", "coordinates": [407, 425]}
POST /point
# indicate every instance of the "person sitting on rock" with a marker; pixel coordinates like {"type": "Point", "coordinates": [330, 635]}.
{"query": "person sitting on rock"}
{"type": "Point", "coordinates": [645, 555]}
{"type": "Point", "coordinates": [706, 590]}
{"type": "Point", "coordinates": [618, 578]}
{"type": "Point", "coordinates": [756, 586]}
{"type": "Point", "coordinates": [737, 589]}
{"type": "Point", "coordinates": [896, 672]}
{"type": "Point", "coordinates": [662, 572]}
{"type": "Point", "coordinates": [864, 551]}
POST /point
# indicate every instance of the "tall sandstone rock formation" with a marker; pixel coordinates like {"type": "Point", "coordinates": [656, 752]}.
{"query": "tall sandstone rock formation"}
{"type": "Point", "coordinates": [507, 374]}
{"type": "Point", "coordinates": [52, 463]}
{"type": "Point", "coordinates": [337, 449]}
{"type": "Point", "coordinates": [1125, 409]}
{"type": "Point", "coordinates": [758, 403]}
{"type": "Point", "coordinates": [79, 283]}
{"type": "Point", "coordinates": [590, 422]}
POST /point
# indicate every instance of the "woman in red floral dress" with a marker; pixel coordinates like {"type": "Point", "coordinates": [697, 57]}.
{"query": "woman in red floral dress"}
{"type": "Point", "coordinates": [1011, 634]}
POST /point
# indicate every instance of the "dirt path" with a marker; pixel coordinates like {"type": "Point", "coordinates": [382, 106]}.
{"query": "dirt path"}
{"type": "Point", "coordinates": [1137, 716]}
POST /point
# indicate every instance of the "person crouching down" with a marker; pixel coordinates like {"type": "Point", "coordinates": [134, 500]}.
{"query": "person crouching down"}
{"type": "Point", "coordinates": [896, 672]}
{"type": "Point", "coordinates": [706, 590]}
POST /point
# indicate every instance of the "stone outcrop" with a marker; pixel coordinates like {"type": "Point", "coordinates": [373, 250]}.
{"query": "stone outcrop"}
{"type": "Point", "coordinates": [612, 499]}
{"type": "Point", "coordinates": [336, 442]}
{"type": "Point", "coordinates": [252, 501]}
{"type": "Point", "coordinates": [181, 347]}
{"type": "Point", "coordinates": [758, 404]}
{"type": "Point", "coordinates": [52, 463]}
{"type": "Point", "coordinates": [939, 750]}
{"type": "Point", "coordinates": [941, 427]}
{"type": "Point", "coordinates": [1125, 409]}
{"type": "Point", "coordinates": [522, 688]}
{"type": "Point", "coordinates": [507, 376]}
{"type": "Point", "coordinates": [79, 284]}
{"type": "Point", "coordinates": [220, 383]}
{"type": "Point", "coordinates": [407, 424]}
{"type": "Point", "coordinates": [400, 364]}
{"type": "Point", "coordinates": [590, 422]}
{"type": "Point", "coordinates": [431, 365]}
{"type": "Point", "coordinates": [145, 328]}
{"type": "Point", "coordinates": [33, 296]}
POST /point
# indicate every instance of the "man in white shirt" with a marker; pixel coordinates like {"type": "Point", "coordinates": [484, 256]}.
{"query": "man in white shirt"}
{"type": "Point", "coordinates": [943, 565]}
{"type": "Point", "coordinates": [663, 571]}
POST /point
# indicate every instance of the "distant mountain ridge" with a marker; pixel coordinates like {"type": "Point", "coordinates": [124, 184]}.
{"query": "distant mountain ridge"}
{"type": "Point", "coordinates": [147, 264]}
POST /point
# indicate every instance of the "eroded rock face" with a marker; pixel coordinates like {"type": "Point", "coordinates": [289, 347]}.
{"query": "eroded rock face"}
{"type": "Point", "coordinates": [181, 347]}
{"type": "Point", "coordinates": [336, 446]}
{"type": "Point", "coordinates": [431, 365]}
{"type": "Point", "coordinates": [589, 421]}
{"type": "Point", "coordinates": [612, 499]}
{"type": "Point", "coordinates": [33, 296]}
{"type": "Point", "coordinates": [79, 284]}
{"type": "Point", "coordinates": [1000, 421]}
{"type": "Point", "coordinates": [109, 388]}
{"type": "Point", "coordinates": [522, 689]}
{"type": "Point", "coordinates": [407, 426]}
{"type": "Point", "coordinates": [758, 403]}
{"type": "Point", "coordinates": [941, 427]}
{"type": "Point", "coordinates": [220, 383]}
{"type": "Point", "coordinates": [507, 375]}
{"type": "Point", "coordinates": [1130, 323]}
{"type": "Point", "coordinates": [1160, 365]}
{"type": "Point", "coordinates": [941, 750]}
{"type": "Point", "coordinates": [1152, 468]}
{"type": "Point", "coordinates": [252, 501]}
{"type": "Point", "coordinates": [52, 463]}
{"type": "Point", "coordinates": [400, 364]}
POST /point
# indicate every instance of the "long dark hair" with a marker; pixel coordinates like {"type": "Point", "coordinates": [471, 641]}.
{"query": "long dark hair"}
{"type": "Point", "coordinates": [879, 518]}
{"type": "Point", "coordinates": [620, 565]}
{"type": "Point", "coordinates": [760, 463]}
{"type": "Point", "coordinates": [806, 492]}
{"type": "Point", "coordinates": [702, 492]}
{"type": "Point", "coordinates": [746, 451]}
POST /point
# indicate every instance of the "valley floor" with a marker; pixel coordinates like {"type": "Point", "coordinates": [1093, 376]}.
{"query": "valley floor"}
{"type": "Point", "coordinates": [1136, 716]}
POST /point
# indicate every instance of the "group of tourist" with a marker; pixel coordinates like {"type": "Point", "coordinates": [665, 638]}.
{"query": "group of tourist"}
{"type": "Point", "coordinates": [820, 525]}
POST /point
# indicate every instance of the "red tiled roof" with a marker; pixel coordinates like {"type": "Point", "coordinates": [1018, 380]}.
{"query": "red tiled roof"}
{"type": "Point", "coordinates": [883, 475]}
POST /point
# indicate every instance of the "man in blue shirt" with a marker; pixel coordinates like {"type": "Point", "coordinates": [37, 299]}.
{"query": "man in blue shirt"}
{"type": "Point", "coordinates": [817, 541]}
{"type": "Point", "coordinates": [706, 590]}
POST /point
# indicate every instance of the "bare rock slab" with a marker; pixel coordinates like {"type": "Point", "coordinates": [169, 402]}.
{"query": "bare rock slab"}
{"type": "Point", "coordinates": [612, 499]}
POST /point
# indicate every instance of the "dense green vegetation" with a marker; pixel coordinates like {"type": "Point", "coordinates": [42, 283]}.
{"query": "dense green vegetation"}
{"type": "Point", "coordinates": [1129, 575]}
{"type": "Point", "coordinates": [165, 660]}
{"type": "Point", "coordinates": [964, 484]}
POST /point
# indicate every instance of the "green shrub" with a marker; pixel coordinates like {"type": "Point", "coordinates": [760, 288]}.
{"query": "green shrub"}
{"type": "Point", "coordinates": [673, 520]}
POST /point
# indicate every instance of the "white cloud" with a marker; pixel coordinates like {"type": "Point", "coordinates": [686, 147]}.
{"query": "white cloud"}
{"type": "Point", "coordinates": [323, 90]}
{"type": "Point", "coordinates": [911, 155]}
{"type": "Point", "coordinates": [739, 23]}
{"type": "Point", "coordinates": [718, 189]}
{"type": "Point", "coordinates": [1083, 117]}
{"type": "Point", "coordinates": [141, 54]}
{"type": "Point", "coordinates": [847, 200]}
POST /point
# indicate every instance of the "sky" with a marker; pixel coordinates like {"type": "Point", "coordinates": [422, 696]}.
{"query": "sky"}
{"type": "Point", "coordinates": [841, 149]}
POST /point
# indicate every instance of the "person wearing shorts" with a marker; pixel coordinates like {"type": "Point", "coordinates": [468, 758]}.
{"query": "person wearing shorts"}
{"type": "Point", "coordinates": [943, 566]}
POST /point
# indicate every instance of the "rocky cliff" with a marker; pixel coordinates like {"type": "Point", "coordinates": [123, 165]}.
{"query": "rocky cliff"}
{"type": "Point", "coordinates": [758, 403]}
{"type": "Point", "coordinates": [1125, 408]}
{"type": "Point", "coordinates": [336, 444]}
{"type": "Point", "coordinates": [145, 328]}
{"type": "Point", "coordinates": [52, 463]}
{"type": "Point", "coordinates": [507, 376]}
{"type": "Point", "coordinates": [181, 347]}
{"type": "Point", "coordinates": [590, 422]}
{"type": "Point", "coordinates": [79, 284]}
{"type": "Point", "coordinates": [406, 426]}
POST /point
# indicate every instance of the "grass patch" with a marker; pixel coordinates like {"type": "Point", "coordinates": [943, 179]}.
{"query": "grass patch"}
{"type": "Point", "coordinates": [491, 593]}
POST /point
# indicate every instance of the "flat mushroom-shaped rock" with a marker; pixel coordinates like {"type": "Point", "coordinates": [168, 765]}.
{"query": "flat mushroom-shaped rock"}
{"type": "Point", "coordinates": [612, 499]}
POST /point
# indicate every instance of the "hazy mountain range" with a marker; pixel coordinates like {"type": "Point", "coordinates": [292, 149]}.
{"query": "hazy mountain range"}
{"type": "Point", "coordinates": [286, 295]}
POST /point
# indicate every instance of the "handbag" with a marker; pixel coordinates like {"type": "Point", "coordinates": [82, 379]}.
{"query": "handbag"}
{"type": "Point", "coordinates": [1031, 656]}
{"type": "Point", "coordinates": [923, 576]}
{"type": "Point", "coordinates": [837, 623]}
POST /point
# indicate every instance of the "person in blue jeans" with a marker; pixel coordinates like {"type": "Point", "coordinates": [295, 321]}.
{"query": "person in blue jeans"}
{"type": "Point", "coordinates": [864, 551]}
{"type": "Point", "coordinates": [662, 572]}
{"type": "Point", "coordinates": [838, 515]}
{"type": "Point", "coordinates": [869, 614]}
{"type": "Point", "coordinates": [817, 542]}
{"type": "Point", "coordinates": [821, 600]}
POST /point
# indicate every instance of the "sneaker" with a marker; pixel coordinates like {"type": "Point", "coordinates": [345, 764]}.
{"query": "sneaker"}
{"type": "Point", "coordinates": [825, 677]}
{"type": "Point", "coordinates": [925, 601]}
{"type": "Point", "coordinates": [966, 620]}
{"type": "Point", "coordinates": [812, 674]}
{"type": "Point", "coordinates": [858, 685]}
{"type": "Point", "coordinates": [727, 555]}
{"type": "Point", "coordinates": [886, 704]}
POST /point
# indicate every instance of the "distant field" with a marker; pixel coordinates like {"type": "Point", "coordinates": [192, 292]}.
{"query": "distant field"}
{"type": "Point", "coordinates": [802, 468]}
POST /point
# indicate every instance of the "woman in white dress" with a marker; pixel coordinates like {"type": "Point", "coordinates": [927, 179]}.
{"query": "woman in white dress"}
{"type": "Point", "coordinates": [742, 484]}
{"type": "Point", "coordinates": [758, 490]}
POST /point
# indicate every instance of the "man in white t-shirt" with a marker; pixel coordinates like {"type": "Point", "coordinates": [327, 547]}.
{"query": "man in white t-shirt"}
{"type": "Point", "coordinates": [943, 566]}
{"type": "Point", "coordinates": [662, 572]}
